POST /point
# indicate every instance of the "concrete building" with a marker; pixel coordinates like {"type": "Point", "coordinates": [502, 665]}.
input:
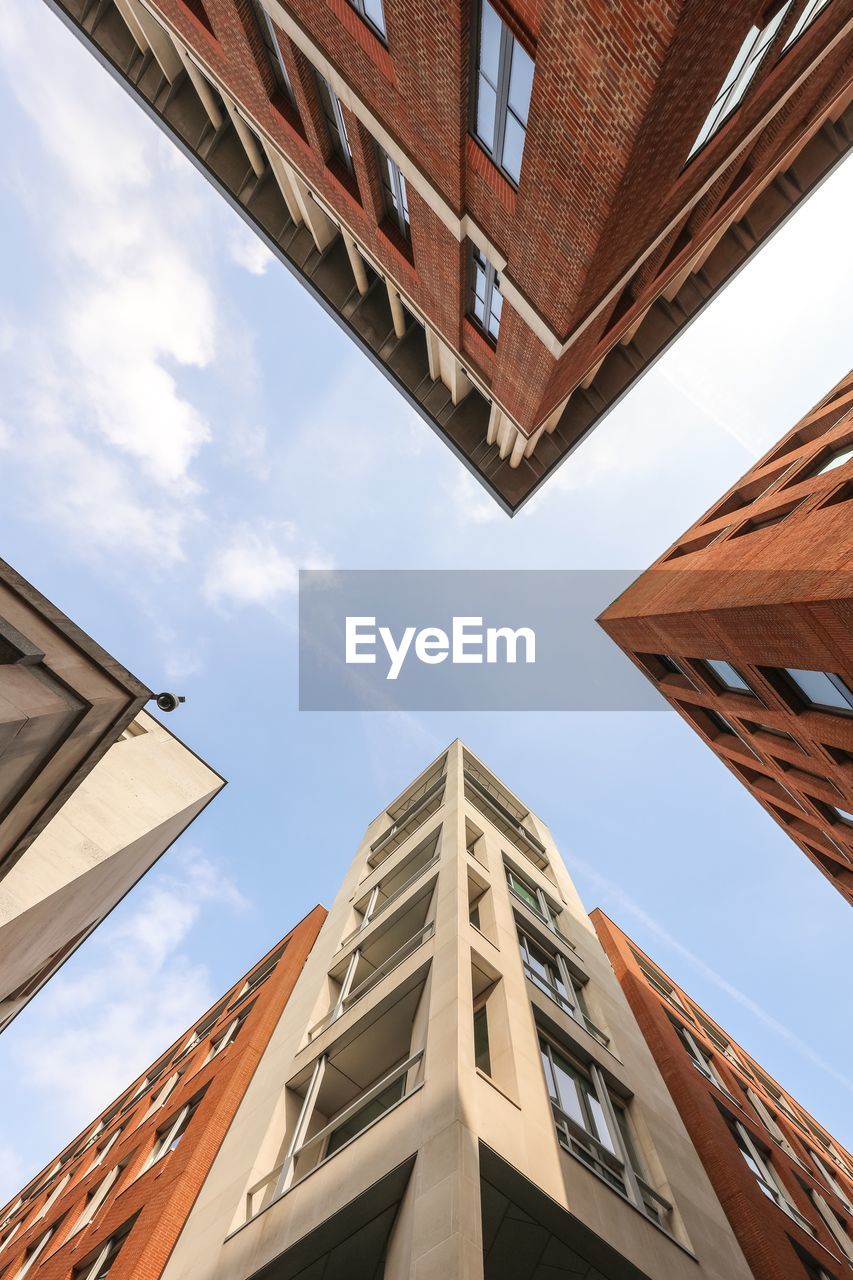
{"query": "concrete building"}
{"type": "Point", "coordinates": [457, 1086]}
{"type": "Point", "coordinates": [512, 206]}
{"type": "Point", "coordinates": [746, 627]}
{"type": "Point", "coordinates": [115, 1200]}
{"type": "Point", "coordinates": [92, 789]}
{"type": "Point", "coordinates": [786, 1185]}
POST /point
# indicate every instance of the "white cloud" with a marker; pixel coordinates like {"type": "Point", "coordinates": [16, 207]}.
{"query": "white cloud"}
{"type": "Point", "coordinates": [248, 251]}
{"type": "Point", "coordinates": [258, 564]}
{"type": "Point", "coordinates": [131, 990]}
{"type": "Point", "coordinates": [472, 503]}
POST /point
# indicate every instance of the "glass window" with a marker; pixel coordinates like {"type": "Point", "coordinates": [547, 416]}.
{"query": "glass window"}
{"type": "Point", "coordinates": [837, 458]}
{"type": "Point", "coordinates": [366, 1115]}
{"type": "Point", "coordinates": [394, 193]}
{"type": "Point", "coordinates": [843, 815]}
{"type": "Point", "coordinates": [728, 676]}
{"type": "Point", "coordinates": [805, 20]}
{"type": "Point", "coordinates": [335, 121]}
{"type": "Point", "coordinates": [282, 78]}
{"type": "Point", "coordinates": [503, 84]}
{"type": "Point", "coordinates": [373, 14]}
{"type": "Point", "coordinates": [741, 74]}
{"type": "Point", "coordinates": [522, 890]}
{"type": "Point", "coordinates": [821, 689]}
{"type": "Point", "coordinates": [544, 971]}
{"type": "Point", "coordinates": [482, 1057]}
{"type": "Point", "coordinates": [486, 296]}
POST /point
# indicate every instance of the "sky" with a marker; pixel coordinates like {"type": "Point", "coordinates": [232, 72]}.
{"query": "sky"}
{"type": "Point", "coordinates": [182, 429]}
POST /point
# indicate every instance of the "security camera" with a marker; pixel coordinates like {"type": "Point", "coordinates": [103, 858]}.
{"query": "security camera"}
{"type": "Point", "coordinates": [168, 701]}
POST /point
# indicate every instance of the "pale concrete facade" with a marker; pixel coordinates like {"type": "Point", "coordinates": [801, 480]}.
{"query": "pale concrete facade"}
{"type": "Point", "coordinates": [384, 1136]}
{"type": "Point", "coordinates": [131, 806]}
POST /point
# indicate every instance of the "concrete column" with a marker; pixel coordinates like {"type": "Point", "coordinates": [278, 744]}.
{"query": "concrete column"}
{"type": "Point", "coordinates": [494, 424]}
{"type": "Point", "coordinates": [134, 26]}
{"type": "Point", "coordinates": [247, 137]}
{"type": "Point", "coordinates": [356, 262]}
{"type": "Point", "coordinates": [519, 449]}
{"type": "Point", "coordinates": [159, 42]}
{"type": "Point", "coordinates": [283, 175]}
{"type": "Point", "coordinates": [323, 229]}
{"type": "Point", "coordinates": [397, 313]}
{"type": "Point", "coordinates": [532, 442]}
{"type": "Point", "coordinates": [202, 88]}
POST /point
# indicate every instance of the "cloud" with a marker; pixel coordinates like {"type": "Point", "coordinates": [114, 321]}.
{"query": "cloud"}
{"type": "Point", "coordinates": [97, 367]}
{"type": "Point", "coordinates": [248, 251]}
{"type": "Point", "coordinates": [258, 564]}
{"type": "Point", "coordinates": [129, 992]}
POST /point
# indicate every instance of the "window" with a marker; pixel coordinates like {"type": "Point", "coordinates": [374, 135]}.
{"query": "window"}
{"type": "Point", "coordinates": [841, 815]}
{"type": "Point", "coordinates": [373, 14]}
{"type": "Point", "coordinates": [552, 975]}
{"type": "Point", "coordinates": [765, 1174]}
{"type": "Point", "coordinates": [170, 1135]}
{"type": "Point", "coordinates": [335, 121]}
{"type": "Point", "coordinates": [805, 20]}
{"type": "Point", "coordinates": [366, 1115]}
{"type": "Point", "coordinates": [720, 722]}
{"type": "Point", "coordinates": [486, 297]}
{"type": "Point", "coordinates": [593, 1126]}
{"type": "Point", "coordinates": [532, 897]}
{"type": "Point", "coordinates": [96, 1198]}
{"type": "Point", "coordinates": [821, 690]}
{"type": "Point", "coordinates": [829, 462]}
{"type": "Point", "coordinates": [282, 78]}
{"type": "Point", "coordinates": [34, 1252]}
{"type": "Point", "coordinates": [700, 1059]}
{"type": "Point", "coordinates": [394, 193]}
{"type": "Point", "coordinates": [740, 76]}
{"type": "Point", "coordinates": [813, 1269]}
{"type": "Point", "coordinates": [104, 1148]}
{"type": "Point", "coordinates": [503, 82]}
{"type": "Point", "coordinates": [482, 1058]}
{"type": "Point", "coordinates": [728, 676]}
{"type": "Point", "coordinates": [226, 1037]}
{"type": "Point", "coordinates": [99, 1266]}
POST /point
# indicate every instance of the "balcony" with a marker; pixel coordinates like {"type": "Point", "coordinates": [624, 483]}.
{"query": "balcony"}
{"type": "Point", "coordinates": [392, 887]}
{"type": "Point", "coordinates": [561, 998]}
{"type": "Point", "coordinates": [407, 823]}
{"type": "Point", "coordinates": [505, 821]}
{"type": "Point", "coordinates": [370, 1070]}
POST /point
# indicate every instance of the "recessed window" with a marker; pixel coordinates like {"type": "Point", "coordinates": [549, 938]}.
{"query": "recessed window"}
{"type": "Point", "coordinates": [335, 121]}
{"type": "Point", "coordinates": [279, 70]}
{"type": "Point", "coordinates": [171, 1134]}
{"type": "Point", "coordinates": [482, 1056]}
{"type": "Point", "coordinates": [100, 1266]}
{"type": "Point", "coordinates": [504, 80]}
{"type": "Point", "coordinates": [394, 193]}
{"type": "Point", "coordinates": [741, 75]}
{"type": "Point", "coordinates": [728, 676]}
{"type": "Point", "coordinates": [373, 14]}
{"type": "Point", "coordinates": [821, 690]}
{"type": "Point", "coordinates": [805, 20]}
{"type": "Point", "coordinates": [486, 296]}
{"type": "Point", "coordinates": [841, 815]}
{"type": "Point", "coordinates": [831, 461]}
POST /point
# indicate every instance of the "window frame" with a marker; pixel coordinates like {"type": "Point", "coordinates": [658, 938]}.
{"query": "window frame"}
{"type": "Point", "coordinates": [477, 261]}
{"type": "Point", "coordinates": [789, 678]}
{"type": "Point", "coordinates": [395, 193]}
{"type": "Point", "coordinates": [508, 41]}
{"type": "Point", "coordinates": [333, 114]}
{"type": "Point", "coordinates": [811, 11]}
{"type": "Point", "coordinates": [271, 44]}
{"type": "Point", "coordinates": [381, 33]}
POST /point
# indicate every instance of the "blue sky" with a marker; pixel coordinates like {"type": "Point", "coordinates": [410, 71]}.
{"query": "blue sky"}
{"type": "Point", "coordinates": [181, 430]}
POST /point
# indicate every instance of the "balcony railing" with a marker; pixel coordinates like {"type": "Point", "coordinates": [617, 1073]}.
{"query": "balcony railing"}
{"type": "Point", "coordinates": [575, 1138]}
{"type": "Point", "coordinates": [367, 984]}
{"type": "Point", "coordinates": [535, 849]}
{"type": "Point", "coordinates": [406, 817]}
{"type": "Point", "coordinates": [260, 1196]}
{"type": "Point", "coordinates": [398, 893]}
{"type": "Point", "coordinates": [573, 1010]}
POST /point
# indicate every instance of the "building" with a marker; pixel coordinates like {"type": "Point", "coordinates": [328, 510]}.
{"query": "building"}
{"type": "Point", "coordinates": [457, 1086]}
{"type": "Point", "coordinates": [512, 207]}
{"type": "Point", "coordinates": [115, 1200]}
{"type": "Point", "coordinates": [786, 1185]}
{"type": "Point", "coordinates": [92, 789]}
{"type": "Point", "coordinates": [63, 703]}
{"type": "Point", "coordinates": [746, 627]}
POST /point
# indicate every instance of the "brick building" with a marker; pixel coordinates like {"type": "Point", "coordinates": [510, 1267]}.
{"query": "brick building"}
{"type": "Point", "coordinates": [746, 627]}
{"type": "Point", "coordinates": [785, 1184]}
{"type": "Point", "coordinates": [115, 1200]}
{"type": "Point", "coordinates": [512, 206]}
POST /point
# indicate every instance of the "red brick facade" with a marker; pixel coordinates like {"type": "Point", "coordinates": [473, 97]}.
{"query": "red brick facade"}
{"type": "Point", "coordinates": [615, 234]}
{"type": "Point", "coordinates": [764, 581]}
{"type": "Point", "coordinates": [720, 1091]}
{"type": "Point", "coordinates": [151, 1201]}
